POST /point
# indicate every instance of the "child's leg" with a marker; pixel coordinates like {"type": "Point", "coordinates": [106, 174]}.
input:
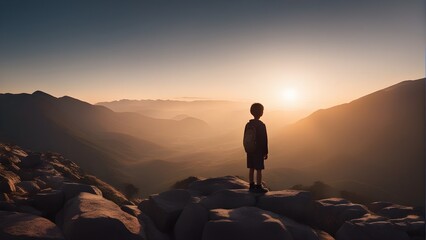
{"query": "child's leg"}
{"type": "Point", "coordinates": [251, 175]}
{"type": "Point", "coordinates": [259, 176]}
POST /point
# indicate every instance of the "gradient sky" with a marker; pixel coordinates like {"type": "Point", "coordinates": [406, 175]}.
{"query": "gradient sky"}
{"type": "Point", "coordinates": [329, 51]}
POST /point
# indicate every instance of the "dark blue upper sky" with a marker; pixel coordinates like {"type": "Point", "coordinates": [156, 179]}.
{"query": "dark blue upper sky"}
{"type": "Point", "coordinates": [50, 39]}
{"type": "Point", "coordinates": [39, 27]}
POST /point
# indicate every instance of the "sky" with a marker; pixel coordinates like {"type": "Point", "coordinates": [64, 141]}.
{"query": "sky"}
{"type": "Point", "coordinates": [304, 54]}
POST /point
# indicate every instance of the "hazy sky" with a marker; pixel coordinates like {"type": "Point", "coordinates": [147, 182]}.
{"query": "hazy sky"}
{"type": "Point", "coordinates": [290, 54]}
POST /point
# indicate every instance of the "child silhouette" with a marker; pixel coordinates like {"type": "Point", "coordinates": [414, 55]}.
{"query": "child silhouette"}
{"type": "Point", "coordinates": [256, 146]}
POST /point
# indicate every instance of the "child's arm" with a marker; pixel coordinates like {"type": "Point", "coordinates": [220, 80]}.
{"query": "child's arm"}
{"type": "Point", "coordinates": [265, 146]}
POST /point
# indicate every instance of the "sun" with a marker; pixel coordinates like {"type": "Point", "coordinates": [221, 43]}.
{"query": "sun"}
{"type": "Point", "coordinates": [290, 95]}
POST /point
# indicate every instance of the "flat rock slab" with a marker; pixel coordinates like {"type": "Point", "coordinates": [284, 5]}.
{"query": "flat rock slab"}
{"type": "Point", "coordinates": [290, 203]}
{"type": "Point", "coordinates": [211, 185]}
{"type": "Point", "coordinates": [248, 223]}
{"type": "Point", "coordinates": [90, 216]}
{"type": "Point", "coordinates": [229, 198]}
{"type": "Point", "coordinates": [24, 226]}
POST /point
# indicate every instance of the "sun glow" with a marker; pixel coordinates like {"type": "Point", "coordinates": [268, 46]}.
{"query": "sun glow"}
{"type": "Point", "coordinates": [290, 98]}
{"type": "Point", "coordinates": [290, 95]}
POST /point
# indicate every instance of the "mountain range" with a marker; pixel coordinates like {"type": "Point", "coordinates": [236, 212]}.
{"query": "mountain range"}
{"type": "Point", "coordinates": [103, 141]}
{"type": "Point", "coordinates": [374, 145]}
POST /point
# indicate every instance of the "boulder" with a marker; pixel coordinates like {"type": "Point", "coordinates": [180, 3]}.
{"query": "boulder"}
{"type": "Point", "coordinates": [18, 152]}
{"type": "Point", "coordinates": [152, 233]}
{"type": "Point", "coordinates": [29, 209]}
{"type": "Point", "coordinates": [73, 189]}
{"type": "Point", "coordinates": [9, 158]}
{"type": "Point", "coordinates": [13, 168]}
{"type": "Point", "coordinates": [370, 230]}
{"type": "Point", "coordinates": [294, 204]}
{"type": "Point", "coordinates": [71, 172]}
{"type": "Point", "coordinates": [6, 185]}
{"type": "Point", "coordinates": [4, 197]}
{"type": "Point", "coordinates": [377, 206]}
{"type": "Point", "coordinates": [20, 199]}
{"type": "Point", "coordinates": [108, 191]}
{"type": "Point", "coordinates": [54, 182]}
{"type": "Point", "coordinates": [211, 185]}
{"type": "Point", "coordinates": [331, 213]}
{"type": "Point", "coordinates": [49, 202]}
{"type": "Point", "coordinates": [299, 231]}
{"type": "Point", "coordinates": [164, 208]}
{"type": "Point", "coordinates": [191, 222]}
{"type": "Point", "coordinates": [90, 216]}
{"type": "Point", "coordinates": [24, 226]}
{"type": "Point", "coordinates": [41, 183]}
{"type": "Point", "coordinates": [395, 211]}
{"type": "Point", "coordinates": [8, 206]}
{"type": "Point", "coordinates": [26, 174]}
{"type": "Point", "coordinates": [244, 223]}
{"type": "Point", "coordinates": [324, 235]}
{"type": "Point", "coordinates": [30, 187]}
{"type": "Point", "coordinates": [8, 180]}
{"type": "Point", "coordinates": [184, 184]}
{"type": "Point", "coordinates": [47, 170]}
{"type": "Point", "coordinates": [131, 209]}
{"type": "Point", "coordinates": [229, 198]}
{"type": "Point", "coordinates": [31, 161]}
{"type": "Point", "coordinates": [413, 225]}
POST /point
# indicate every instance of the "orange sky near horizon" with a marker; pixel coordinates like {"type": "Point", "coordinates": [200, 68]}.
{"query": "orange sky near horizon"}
{"type": "Point", "coordinates": [324, 59]}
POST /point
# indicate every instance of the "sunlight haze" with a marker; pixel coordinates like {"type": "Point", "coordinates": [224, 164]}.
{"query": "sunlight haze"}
{"type": "Point", "coordinates": [329, 58]}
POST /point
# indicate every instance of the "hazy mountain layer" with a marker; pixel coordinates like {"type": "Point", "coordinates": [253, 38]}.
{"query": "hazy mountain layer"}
{"type": "Point", "coordinates": [101, 140]}
{"type": "Point", "coordinates": [374, 145]}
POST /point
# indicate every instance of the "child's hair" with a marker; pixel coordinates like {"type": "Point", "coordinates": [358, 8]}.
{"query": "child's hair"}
{"type": "Point", "coordinates": [256, 109]}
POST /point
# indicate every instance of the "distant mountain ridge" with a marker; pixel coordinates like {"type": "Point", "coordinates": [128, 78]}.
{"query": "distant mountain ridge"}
{"type": "Point", "coordinates": [378, 140]}
{"type": "Point", "coordinates": [99, 138]}
{"type": "Point", "coordinates": [221, 115]}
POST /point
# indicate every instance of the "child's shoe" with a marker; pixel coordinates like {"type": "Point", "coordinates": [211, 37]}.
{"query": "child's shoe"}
{"type": "Point", "coordinates": [252, 187]}
{"type": "Point", "coordinates": [260, 189]}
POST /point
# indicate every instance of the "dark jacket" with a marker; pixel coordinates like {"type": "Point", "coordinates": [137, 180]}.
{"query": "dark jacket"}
{"type": "Point", "coordinates": [261, 136]}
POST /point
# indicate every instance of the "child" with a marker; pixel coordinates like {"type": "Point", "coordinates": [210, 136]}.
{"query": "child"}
{"type": "Point", "coordinates": [256, 146]}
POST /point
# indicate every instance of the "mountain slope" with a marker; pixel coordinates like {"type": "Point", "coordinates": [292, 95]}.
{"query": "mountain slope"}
{"type": "Point", "coordinates": [377, 140]}
{"type": "Point", "coordinates": [101, 140]}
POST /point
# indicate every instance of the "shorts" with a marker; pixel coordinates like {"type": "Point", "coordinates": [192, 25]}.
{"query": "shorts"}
{"type": "Point", "coordinates": [256, 161]}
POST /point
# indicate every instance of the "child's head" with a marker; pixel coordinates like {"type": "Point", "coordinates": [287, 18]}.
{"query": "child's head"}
{"type": "Point", "coordinates": [256, 110]}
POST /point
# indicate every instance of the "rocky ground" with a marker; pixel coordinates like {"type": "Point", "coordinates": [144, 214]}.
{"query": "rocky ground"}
{"type": "Point", "coordinates": [44, 196]}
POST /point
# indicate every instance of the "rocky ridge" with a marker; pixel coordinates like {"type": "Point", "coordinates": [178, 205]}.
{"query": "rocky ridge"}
{"type": "Point", "coordinates": [44, 196]}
